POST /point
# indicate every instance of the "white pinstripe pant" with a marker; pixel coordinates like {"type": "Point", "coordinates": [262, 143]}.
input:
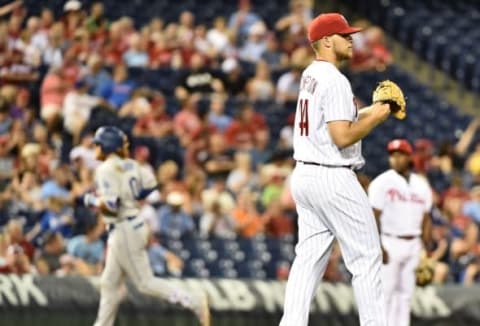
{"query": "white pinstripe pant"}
{"type": "Point", "coordinates": [332, 204]}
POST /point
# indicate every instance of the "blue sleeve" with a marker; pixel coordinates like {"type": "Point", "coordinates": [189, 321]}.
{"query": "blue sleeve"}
{"type": "Point", "coordinates": [145, 192]}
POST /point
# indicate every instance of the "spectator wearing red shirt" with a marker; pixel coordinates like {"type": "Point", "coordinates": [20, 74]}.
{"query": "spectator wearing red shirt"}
{"type": "Point", "coordinates": [157, 123]}
{"type": "Point", "coordinates": [14, 230]}
{"type": "Point", "coordinates": [241, 132]}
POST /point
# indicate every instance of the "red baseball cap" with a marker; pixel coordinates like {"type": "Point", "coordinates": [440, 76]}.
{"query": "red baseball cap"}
{"type": "Point", "coordinates": [401, 145]}
{"type": "Point", "coordinates": [329, 24]}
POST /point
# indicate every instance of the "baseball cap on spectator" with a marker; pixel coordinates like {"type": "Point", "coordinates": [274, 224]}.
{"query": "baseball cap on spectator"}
{"type": "Point", "coordinates": [175, 198]}
{"type": "Point", "coordinates": [400, 145]}
{"type": "Point", "coordinates": [329, 24]}
{"type": "Point", "coordinates": [80, 83]}
{"type": "Point", "coordinates": [229, 65]}
{"type": "Point", "coordinates": [72, 5]}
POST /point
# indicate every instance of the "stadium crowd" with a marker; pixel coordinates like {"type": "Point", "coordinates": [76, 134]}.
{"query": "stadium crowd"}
{"type": "Point", "coordinates": [197, 101]}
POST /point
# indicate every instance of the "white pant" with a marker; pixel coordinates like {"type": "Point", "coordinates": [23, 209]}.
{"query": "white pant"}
{"type": "Point", "coordinates": [398, 277]}
{"type": "Point", "coordinates": [331, 204]}
{"type": "Point", "coordinates": [126, 256]}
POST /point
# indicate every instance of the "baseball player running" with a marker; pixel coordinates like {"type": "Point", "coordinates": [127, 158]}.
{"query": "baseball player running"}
{"type": "Point", "coordinates": [120, 184]}
{"type": "Point", "coordinates": [329, 199]}
{"type": "Point", "coordinates": [401, 202]}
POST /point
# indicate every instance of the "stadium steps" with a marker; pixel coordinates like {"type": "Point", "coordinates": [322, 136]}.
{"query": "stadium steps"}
{"type": "Point", "coordinates": [441, 83]}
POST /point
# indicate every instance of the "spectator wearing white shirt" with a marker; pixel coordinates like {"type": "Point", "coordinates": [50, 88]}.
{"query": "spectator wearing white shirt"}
{"type": "Point", "coordinates": [77, 108]}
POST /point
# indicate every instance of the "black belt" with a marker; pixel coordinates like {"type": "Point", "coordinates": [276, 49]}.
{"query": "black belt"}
{"type": "Point", "coordinates": [403, 237]}
{"type": "Point", "coordinates": [351, 167]}
{"type": "Point", "coordinates": [111, 226]}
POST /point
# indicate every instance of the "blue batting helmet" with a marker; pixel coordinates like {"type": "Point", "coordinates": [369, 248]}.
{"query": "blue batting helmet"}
{"type": "Point", "coordinates": [109, 138]}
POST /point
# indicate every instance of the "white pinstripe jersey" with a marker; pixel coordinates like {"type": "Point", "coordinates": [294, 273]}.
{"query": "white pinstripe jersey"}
{"type": "Point", "coordinates": [403, 203]}
{"type": "Point", "coordinates": [122, 180]}
{"type": "Point", "coordinates": [325, 95]}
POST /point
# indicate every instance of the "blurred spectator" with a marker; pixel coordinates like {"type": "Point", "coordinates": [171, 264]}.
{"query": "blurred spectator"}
{"type": "Point", "coordinates": [136, 55]}
{"type": "Point", "coordinates": [422, 155]}
{"type": "Point", "coordinates": [89, 247]}
{"type": "Point", "coordinates": [138, 105]}
{"type": "Point", "coordinates": [14, 232]}
{"type": "Point", "coordinates": [83, 155]}
{"type": "Point", "coordinates": [73, 17]}
{"type": "Point", "coordinates": [241, 132]}
{"type": "Point", "coordinates": [261, 151]}
{"type": "Point", "coordinates": [273, 56]}
{"type": "Point", "coordinates": [53, 53]}
{"type": "Point", "coordinates": [156, 123]}
{"type": "Point", "coordinates": [278, 224]}
{"type": "Point", "coordinates": [274, 181]}
{"type": "Point", "coordinates": [288, 85]}
{"type": "Point", "coordinates": [217, 159]}
{"type": "Point", "coordinates": [161, 54]}
{"type": "Point", "coordinates": [52, 94]}
{"type": "Point", "coordinates": [96, 76]}
{"type": "Point", "coordinates": [242, 20]}
{"type": "Point", "coordinates": [248, 221]}
{"type": "Point", "coordinates": [53, 248]}
{"type": "Point", "coordinates": [451, 157]}
{"type": "Point", "coordinates": [57, 185]}
{"type": "Point", "coordinates": [370, 50]}
{"type": "Point", "coordinates": [217, 222]}
{"type": "Point", "coordinates": [255, 45]}
{"type": "Point", "coordinates": [260, 87]}
{"type": "Point", "coordinates": [197, 80]}
{"type": "Point", "coordinates": [187, 123]}
{"type": "Point", "coordinates": [117, 91]}
{"type": "Point", "coordinates": [233, 78]}
{"type": "Point", "coordinates": [297, 20]}
{"type": "Point", "coordinates": [215, 194]}
{"type": "Point", "coordinates": [97, 24]}
{"type": "Point", "coordinates": [172, 220]}
{"type": "Point", "coordinates": [220, 37]}
{"type": "Point", "coordinates": [16, 261]}
{"type": "Point", "coordinates": [77, 108]}
{"type": "Point", "coordinates": [217, 116]}
{"type": "Point", "coordinates": [242, 176]}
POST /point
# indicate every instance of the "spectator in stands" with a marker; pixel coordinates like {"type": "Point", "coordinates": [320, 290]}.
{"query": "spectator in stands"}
{"type": "Point", "coordinates": [255, 45]}
{"type": "Point", "coordinates": [201, 44]}
{"type": "Point", "coordinates": [53, 247]}
{"type": "Point", "coordinates": [260, 87]}
{"type": "Point", "coordinates": [296, 22]}
{"type": "Point", "coordinates": [217, 160]}
{"type": "Point", "coordinates": [186, 26]}
{"type": "Point", "coordinates": [472, 164]}
{"type": "Point", "coordinates": [248, 221]}
{"type": "Point", "coordinates": [162, 261]}
{"type": "Point", "coordinates": [57, 217]}
{"type": "Point", "coordinates": [273, 185]}
{"type": "Point", "coordinates": [216, 115]}
{"type": "Point", "coordinates": [17, 261]}
{"type": "Point", "coordinates": [136, 55]}
{"type": "Point", "coordinates": [288, 85]}
{"type": "Point", "coordinates": [7, 160]}
{"type": "Point", "coordinates": [53, 54]}
{"type": "Point", "coordinates": [370, 51]}
{"type": "Point", "coordinates": [261, 151]}
{"type": "Point", "coordinates": [115, 45]}
{"type": "Point", "coordinates": [156, 123]}
{"type": "Point", "coordinates": [57, 185]}
{"type": "Point", "coordinates": [220, 37]}
{"type": "Point", "coordinates": [160, 54]}
{"type": "Point", "coordinates": [97, 24]}
{"type": "Point", "coordinates": [16, 71]}
{"type": "Point", "coordinates": [26, 187]}
{"type": "Point", "coordinates": [187, 123]}
{"type": "Point", "coordinates": [14, 231]}
{"type": "Point", "coordinates": [217, 222]}
{"type": "Point", "coordinates": [52, 94]}
{"type": "Point", "coordinates": [242, 20]}
{"type": "Point", "coordinates": [273, 56]}
{"type": "Point", "coordinates": [96, 76]}
{"type": "Point", "coordinates": [77, 108]}
{"type": "Point", "coordinates": [422, 155]}
{"type": "Point", "coordinates": [241, 132]}
{"type": "Point", "coordinates": [118, 91]}
{"type": "Point", "coordinates": [73, 17]}
{"type": "Point", "coordinates": [233, 79]}
{"type": "Point", "coordinates": [217, 193]}
{"type": "Point", "coordinates": [89, 247]}
{"type": "Point", "coordinates": [197, 80]}
{"type": "Point", "coordinates": [242, 175]}
{"type": "Point", "coordinates": [83, 155]}
{"type": "Point", "coordinates": [138, 105]}
{"type": "Point", "coordinates": [277, 223]}
{"type": "Point", "coordinates": [173, 222]}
